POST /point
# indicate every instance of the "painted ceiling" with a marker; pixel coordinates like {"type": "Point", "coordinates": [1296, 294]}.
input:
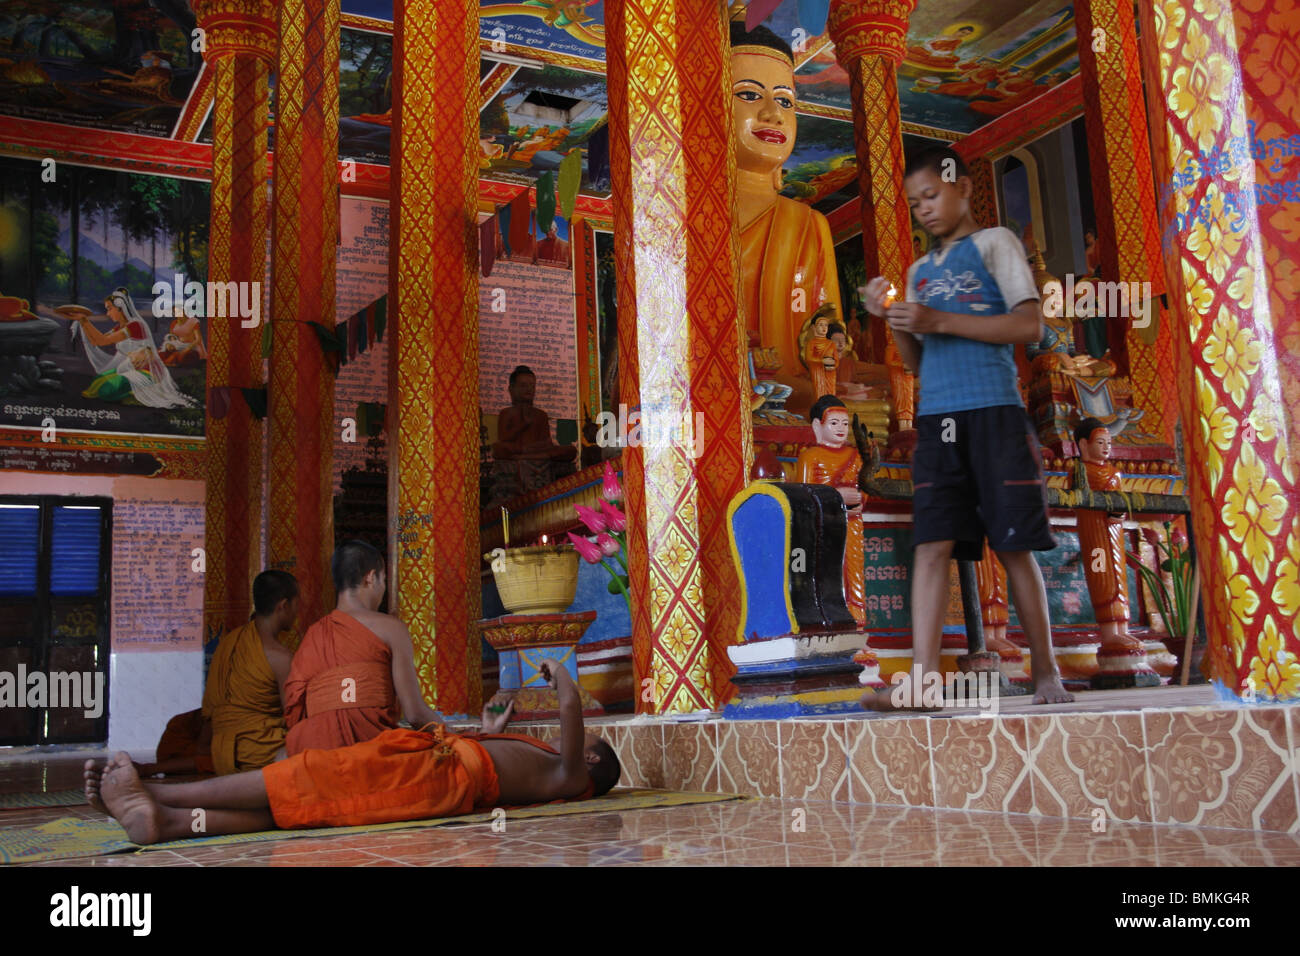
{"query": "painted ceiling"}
{"type": "Point", "coordinates": [128, 65]}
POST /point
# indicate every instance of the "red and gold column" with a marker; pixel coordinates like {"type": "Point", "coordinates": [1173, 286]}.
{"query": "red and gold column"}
{"type": "Point", "coordinates": [304, 242]}
{"type": "Point", "coordinates": [1128, 235]}
{"type": "Point", "coordinates": [433, 358]}
{"type": "Point", "coordinates": [1223, 101]}
{"type": "Point", "coordinates": [870, 38]}
{"type": "Point", "coordinates": [240, 47]}
{"type": "Point", "coordinates": [680, 338]}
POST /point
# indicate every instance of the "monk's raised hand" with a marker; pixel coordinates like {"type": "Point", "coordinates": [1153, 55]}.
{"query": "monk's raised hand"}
{"type": "Point", "coordinates": [547, 669]}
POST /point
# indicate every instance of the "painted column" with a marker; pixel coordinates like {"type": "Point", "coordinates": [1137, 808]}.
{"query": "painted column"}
{"type": "Point", "coordinates": [433, 510]}
{"type": "Point", "coordinates": [239, 37]}
{"type": "Point", "coordinates": [681, 338]}
{"type": "Point", "coordinates": [1221, 93]}
{"type": "Point", "coordinates": [983, 199]}
{"type": "Point", "coordinates": [870, 39]}
{"type": "Point", "coordinates": [304, 243]}
{"type": "Point", "coordinates": [1119, 158]}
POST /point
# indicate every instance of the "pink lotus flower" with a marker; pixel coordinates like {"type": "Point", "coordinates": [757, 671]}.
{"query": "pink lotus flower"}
{"type": "Point", "coordinates": [608, 545]}
{"type": "Point", "coordinates": [1180, 539]}
{"type": "Point", "coordinates": [1151, 537]}
{"type": "Point", "coordinates": [614, 519]}
{"type": "Point", "coordinates": [593, 519]}
{"type": "Point", "coordinates": [610, 489]}
{"type": "Point", "coordinates": [590, 552]}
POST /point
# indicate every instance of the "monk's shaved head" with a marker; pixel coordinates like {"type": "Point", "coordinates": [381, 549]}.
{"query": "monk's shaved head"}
{"type": "Point", "coordinates": [353, 560]}
{"type": "Point", "coordinates": [270, 588]}
{"type": "Point", "coordinates": [606, 770]}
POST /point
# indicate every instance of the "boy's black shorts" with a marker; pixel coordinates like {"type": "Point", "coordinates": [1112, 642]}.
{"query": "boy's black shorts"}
{"type": "Point", "coordinates": [986, 480]}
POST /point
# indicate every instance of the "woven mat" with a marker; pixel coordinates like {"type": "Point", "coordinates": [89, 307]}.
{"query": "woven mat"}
{"type": "Point", "coordinates": [54, 798]}
{"type": "Point", "coordinates": [69, 837]}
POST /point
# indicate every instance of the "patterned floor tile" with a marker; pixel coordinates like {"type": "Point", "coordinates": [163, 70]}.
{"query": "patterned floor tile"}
{"type": "Point", "coordinates": [1082, 763]}
{"type": "Point", "coordinates": [975, 769]}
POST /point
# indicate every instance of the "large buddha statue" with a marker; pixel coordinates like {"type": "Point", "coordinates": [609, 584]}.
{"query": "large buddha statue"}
{"type": "Point", "coordinates": [787, 258]}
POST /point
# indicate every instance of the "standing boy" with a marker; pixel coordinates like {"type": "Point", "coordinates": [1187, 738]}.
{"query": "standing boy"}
{"type": "Point", "coordinates": [977, 471]}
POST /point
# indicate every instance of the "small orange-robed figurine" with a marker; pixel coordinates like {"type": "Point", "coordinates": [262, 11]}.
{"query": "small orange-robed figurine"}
{"type": "Point", "coordinates": [834, 461]}
{"type": "Point", "coordinates": [1101, 544]}
{"type": "Point", "coordinates": [820, 354]}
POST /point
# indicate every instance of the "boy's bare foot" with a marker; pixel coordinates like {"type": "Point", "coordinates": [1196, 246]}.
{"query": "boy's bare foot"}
{"type": "Point", "coordinates": [1051, 691]}
{"type": "Point", "coordinates": [882, 701]}
{"type": "Point", "coordinates": [91, 775]}
{"type": "Point", "coordinates": [129, 802]}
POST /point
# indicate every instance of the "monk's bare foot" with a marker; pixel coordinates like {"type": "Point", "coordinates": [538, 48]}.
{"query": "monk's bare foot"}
{"type": "Point", "coordinates": [1051, 691]}
{"type": "Point", "coordinates": [129, 802]}
{"type": "Point", "coordinates": [91, 775]}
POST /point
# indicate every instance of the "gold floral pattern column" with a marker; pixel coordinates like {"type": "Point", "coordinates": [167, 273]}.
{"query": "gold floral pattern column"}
{"type": "Point", "coordinates": [304, 246]}
{"type": "Point", "coordinates": [433, 356]}
{"type": "Point", "coordinates": [680, 339]}
{"type": "Point", "coordinates": [870, 39]}
{"type": "Point", "coordinates": [1220, 86]}
{"type": "Point", "coordinates": [239, 37]}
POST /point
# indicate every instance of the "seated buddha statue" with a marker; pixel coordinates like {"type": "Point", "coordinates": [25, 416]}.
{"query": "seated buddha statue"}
{"type": "Point", "coordinates": [524, 439]}
{"type": "Point", "coordinates": [787, 258]}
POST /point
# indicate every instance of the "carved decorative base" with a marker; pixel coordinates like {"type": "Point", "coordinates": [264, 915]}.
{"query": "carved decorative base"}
{"type": "Point", "coordinates": [991, 661]}
{"type": "Point", "coordinates": [1123, 669]}
{"type": "Point", "coordinates": [797, 675]}
{"type": "Point", "coordinates": [522, 642]}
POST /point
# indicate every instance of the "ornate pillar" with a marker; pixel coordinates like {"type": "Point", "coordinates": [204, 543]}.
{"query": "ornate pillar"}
{"type": "Point", "coordinates": [433, 358]}
{"type": "Point", "coordinates": [983, 199]}
{"type": "Point", "coordinates": [1119, 158]}
{"type": "Point", "coordinates": [681, 338]}
{"type": "Point", "coordinates": [1223, 103]}
{"type": "Point", "coordinates": [304, 241]}
{"type": "Point", "coordinates": [870, 38]}
{"type": "Point", "coordinates": [240, 46]}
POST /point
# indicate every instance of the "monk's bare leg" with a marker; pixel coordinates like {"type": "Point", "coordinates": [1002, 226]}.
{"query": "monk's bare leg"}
{"type": "Point", "coordinates": [929, 606]}
{"type": "Point", "coordinates": [1025, 582]}
{"type": "Point", "coordinates": [146, 820]}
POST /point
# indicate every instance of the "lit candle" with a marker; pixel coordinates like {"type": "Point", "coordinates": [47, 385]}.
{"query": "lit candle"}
{"type": "Point", "coordinates": [890, 296]}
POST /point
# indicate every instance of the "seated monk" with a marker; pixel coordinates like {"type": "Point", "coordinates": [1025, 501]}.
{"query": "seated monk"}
{"type": "Point", "coordinates": [241, 724]}
{"type": "Point", "coordinates": [399, 775]}
{"type": "Point", "coordinates": [524, 431]}
{"type": "Point", "coordinates": [353, 676]}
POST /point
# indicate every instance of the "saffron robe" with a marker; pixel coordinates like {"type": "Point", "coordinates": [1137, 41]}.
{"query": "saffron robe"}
{"type": "Point", "coordinates": [787, 248]}
{"type": "Point", "coordinates": [838, 467]}
{"type": "Point", "coordinates": [242, 699]}
{"type": "Point", "coordinates": [1101, 542]}
{"type": "Point", "coordinates": [399, 775]}
{"type": "Point", "coordinates": [340, 688]}
{"type": "Point", "coordinates": [183, 737]}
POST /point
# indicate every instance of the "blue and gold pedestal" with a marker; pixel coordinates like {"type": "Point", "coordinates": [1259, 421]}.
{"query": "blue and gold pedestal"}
{"type": "Point", "coordinates": [522, 642]}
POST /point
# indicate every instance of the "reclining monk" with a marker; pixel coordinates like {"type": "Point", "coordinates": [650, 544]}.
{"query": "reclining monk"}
{"type": "Point", "coordinates": [241, 724]}
{"type": "Point", "coordinates": [399, 775]}
{"type": "Point", "coordinates": [353, 676]}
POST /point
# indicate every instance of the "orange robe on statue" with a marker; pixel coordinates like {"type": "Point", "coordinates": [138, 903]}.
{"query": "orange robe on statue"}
{"type": "Point", "coordinates": [785, 249]}
{"type": "Point", "coordinates": [815, 352]}
{"type": "Point", "coordinates": [1102, 537]}
{"type": "Point", "coordinates": [399, 775]}
{"type": "Point", "coordinates": [242, 699]}
{"type": "Point", "coordinates": [838, 467]}
{"type": "Point", "coordinates": [340, 688]}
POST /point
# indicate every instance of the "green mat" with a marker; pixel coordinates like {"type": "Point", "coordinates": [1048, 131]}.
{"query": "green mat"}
{"type": "Point", "coordinates": [54, 798]}
{"type": "Point", "coordinates": [69, 837]}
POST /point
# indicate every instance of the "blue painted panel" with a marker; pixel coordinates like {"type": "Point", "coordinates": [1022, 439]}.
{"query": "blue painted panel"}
{"type": "Point", "coordinates": [758, 528]}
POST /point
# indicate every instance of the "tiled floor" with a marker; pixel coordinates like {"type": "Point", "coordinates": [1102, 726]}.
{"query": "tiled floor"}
{"type": "Point", "coordinates": [755, 832]}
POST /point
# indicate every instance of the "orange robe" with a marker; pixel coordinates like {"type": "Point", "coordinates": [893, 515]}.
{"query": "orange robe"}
{"type": "Point", "coordinates": [399, 775]}
{"type": "Point", "coordinates": [1102, 537]}
{"type": "Point", "coordinates": [816, 351]}
{"type": "Point", "coordinates": [181, 738]}
{"type": "Point", "coordinates": [788, 247]}
{"type": "Point", "coordinates": [242, 699]}
{"type": "Point", "coordinates": [838, 467]}
{"type": "Point", "coordinates": [340, 688]}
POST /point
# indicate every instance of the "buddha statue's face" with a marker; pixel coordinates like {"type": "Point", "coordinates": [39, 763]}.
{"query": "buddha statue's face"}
{"type": "Point", "coordinates": [833, 429]}
{"type": "Point", "coordinates": [763, 111]}
{"type": "Point", "coordinates": [1096, 449]}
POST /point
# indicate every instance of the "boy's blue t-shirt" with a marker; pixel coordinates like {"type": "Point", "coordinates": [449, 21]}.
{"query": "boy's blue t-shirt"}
{"type": "Point", "coordinates": [985, 273]}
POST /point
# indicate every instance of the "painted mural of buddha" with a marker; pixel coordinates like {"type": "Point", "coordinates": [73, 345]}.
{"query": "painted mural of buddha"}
{"type": "Point", "coordinates": [787, 258]}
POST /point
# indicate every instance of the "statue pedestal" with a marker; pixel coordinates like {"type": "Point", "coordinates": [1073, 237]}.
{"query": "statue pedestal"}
{"type": "Point", "coordinates": [797, 675]}
{"type": "Point", "coordinates": [991, 661]}
{"type": "Point", "coordinates": [522, 642]}
{"type": "Point", "coordinates": [1123, 669]}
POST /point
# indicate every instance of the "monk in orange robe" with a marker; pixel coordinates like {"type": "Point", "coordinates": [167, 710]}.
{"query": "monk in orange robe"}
{"type": "Point", "coordinates": [399, 775]}
{"type": "Point", "coordinates": [787, 258]}
{"type": "Point", "coordinates": [1101, 545]}
{"type": "Point", "coordinates": [241, 724]}
{"type": "Point", "coordinates": [832, 461]}
{"type": "Point", "coordinates": [821, 355]}
{"type": "Point", "coordinates": [354, 674]}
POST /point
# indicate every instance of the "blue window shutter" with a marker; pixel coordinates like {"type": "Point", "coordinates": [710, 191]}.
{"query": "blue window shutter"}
{"type": "Point", "coordinates": [74, 551]}
{"type": "Point", "coordinates": [20, 535]}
